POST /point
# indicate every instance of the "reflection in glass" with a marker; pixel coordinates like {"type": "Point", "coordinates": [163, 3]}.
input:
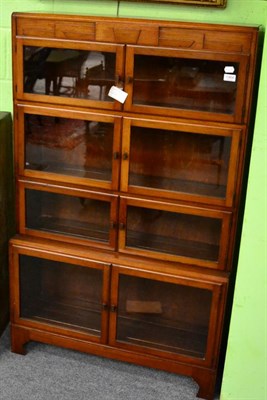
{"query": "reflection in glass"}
{"type": "Point", "coordinates": [68, 72]}
{"type": "Point", "coordinates": [61, 294]}
{"type": "Point", "coordinates": [184, 83]}
{"type": "Point", "coordinates": [69, 146]}
{"type": "Point", "coordinates": [163, 316]}
{"type": "Point", "coordinates": [68, 215]}
{"type": "Point", "coordinates": [173, 233]}
{"type": "Point", "coordinates": [180, 162]}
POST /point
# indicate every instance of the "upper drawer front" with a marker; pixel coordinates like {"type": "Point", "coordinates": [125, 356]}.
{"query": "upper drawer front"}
{"type": "Point", "coordinates": [101, 31]}
{"type": "Point", "coordinates": [233, 42]}
{"type": "Point", "coordinates": [181, 38]}
{"type": "Point", "coordinates": [228, 41]}
{"type": "Point", "coordinates": [143, 34]}
{"type": "Point", "coordinates": [56, 29]}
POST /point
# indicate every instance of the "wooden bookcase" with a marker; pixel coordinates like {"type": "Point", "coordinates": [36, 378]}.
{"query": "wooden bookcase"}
{"type": "Point", "coordinates": [127, 210]}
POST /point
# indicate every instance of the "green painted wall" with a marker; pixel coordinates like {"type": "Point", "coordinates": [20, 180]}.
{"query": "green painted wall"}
{"type": "Point", "coordinates": [245, 370]}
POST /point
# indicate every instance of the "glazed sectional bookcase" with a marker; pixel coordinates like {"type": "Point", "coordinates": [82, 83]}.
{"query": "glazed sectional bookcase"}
{"type": "Point", "coordinates": [127, 203]}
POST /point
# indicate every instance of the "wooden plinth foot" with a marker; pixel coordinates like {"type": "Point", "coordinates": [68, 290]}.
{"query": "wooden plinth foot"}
{"type": "Point", "coordinates": [206, 381]}
{"type": "Point", "coordinates": [19, 337]}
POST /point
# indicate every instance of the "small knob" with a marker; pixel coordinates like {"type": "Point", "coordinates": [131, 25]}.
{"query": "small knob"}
{"type": "Point", "coordinates": [129, 80]}
{"type": "Point", "coordinates": [112, 225]}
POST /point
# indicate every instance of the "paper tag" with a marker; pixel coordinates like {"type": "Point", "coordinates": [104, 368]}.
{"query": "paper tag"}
{"type": "Point", "coordinates": [228, 69]}
{"type": "Point", "coordinates": [229, 78]}
{"type": "Point", "coordinates": [117, 94]}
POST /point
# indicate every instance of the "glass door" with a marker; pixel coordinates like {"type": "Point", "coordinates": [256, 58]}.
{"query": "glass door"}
{"type": "Point", "coordinates": [173, 232]}
{"type": "Point", "coordinates": [165, 315]}
{"type": "Point", "coordinates": [181, 83]}
{"type": "Point", "coordinates": [66, 72]}
{"type": "Point", "coordinates": [69, 146]}
{"type": "Point", "coordinates": [69, 215]}
{"type": "Point", "coordinates": [62, 294]}
{"type": "Point", "coordinates": [180, 160]}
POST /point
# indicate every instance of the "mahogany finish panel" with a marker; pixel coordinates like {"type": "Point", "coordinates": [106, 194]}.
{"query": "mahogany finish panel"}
{"type": "Point", "coordinates": [69, 72]}
{"type": "Point", "coordinates": [68, 214]}
{"type": "Point", "coordinates": [186, 83]}
{"type": "Point", "coordinates": [68, 146]}
{"type": "Point", "coordinates": [167, 315]}
{"type": "Point", "coordinates": [167, 231]}
{"type": "Point", "coordinates": [127, 208]}
{"type": "Point", "coordinates": [180, 160]}
{"type": "Point", "coordinates": [59, 293]}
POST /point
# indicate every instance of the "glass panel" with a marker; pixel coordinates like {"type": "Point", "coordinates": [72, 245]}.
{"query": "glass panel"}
{"type": "Point", "coordinates": [173, 233]}
{"type": "Point", "coordinates": [68, 215]}
{"type": "Point", "coordinates": [184, 83]}
{"type": "Point", "coordinates": [61, 294]}
{"type": "Point", "coordinates": [69, 146]}
{"type": "Point", "coordinates": [163, 316]}
{"type": "Point", "coordinates": [68, 73]}
{"type": "Point", "coordinates": [181, 162]}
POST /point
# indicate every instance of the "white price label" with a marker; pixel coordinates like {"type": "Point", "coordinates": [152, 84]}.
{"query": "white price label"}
{"type": "Point", "coordinates": [229, 78]}
{"type": "Point", "coordinates": [117, 94]}
{"type": "Point", "coordinates": [229, 69]}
